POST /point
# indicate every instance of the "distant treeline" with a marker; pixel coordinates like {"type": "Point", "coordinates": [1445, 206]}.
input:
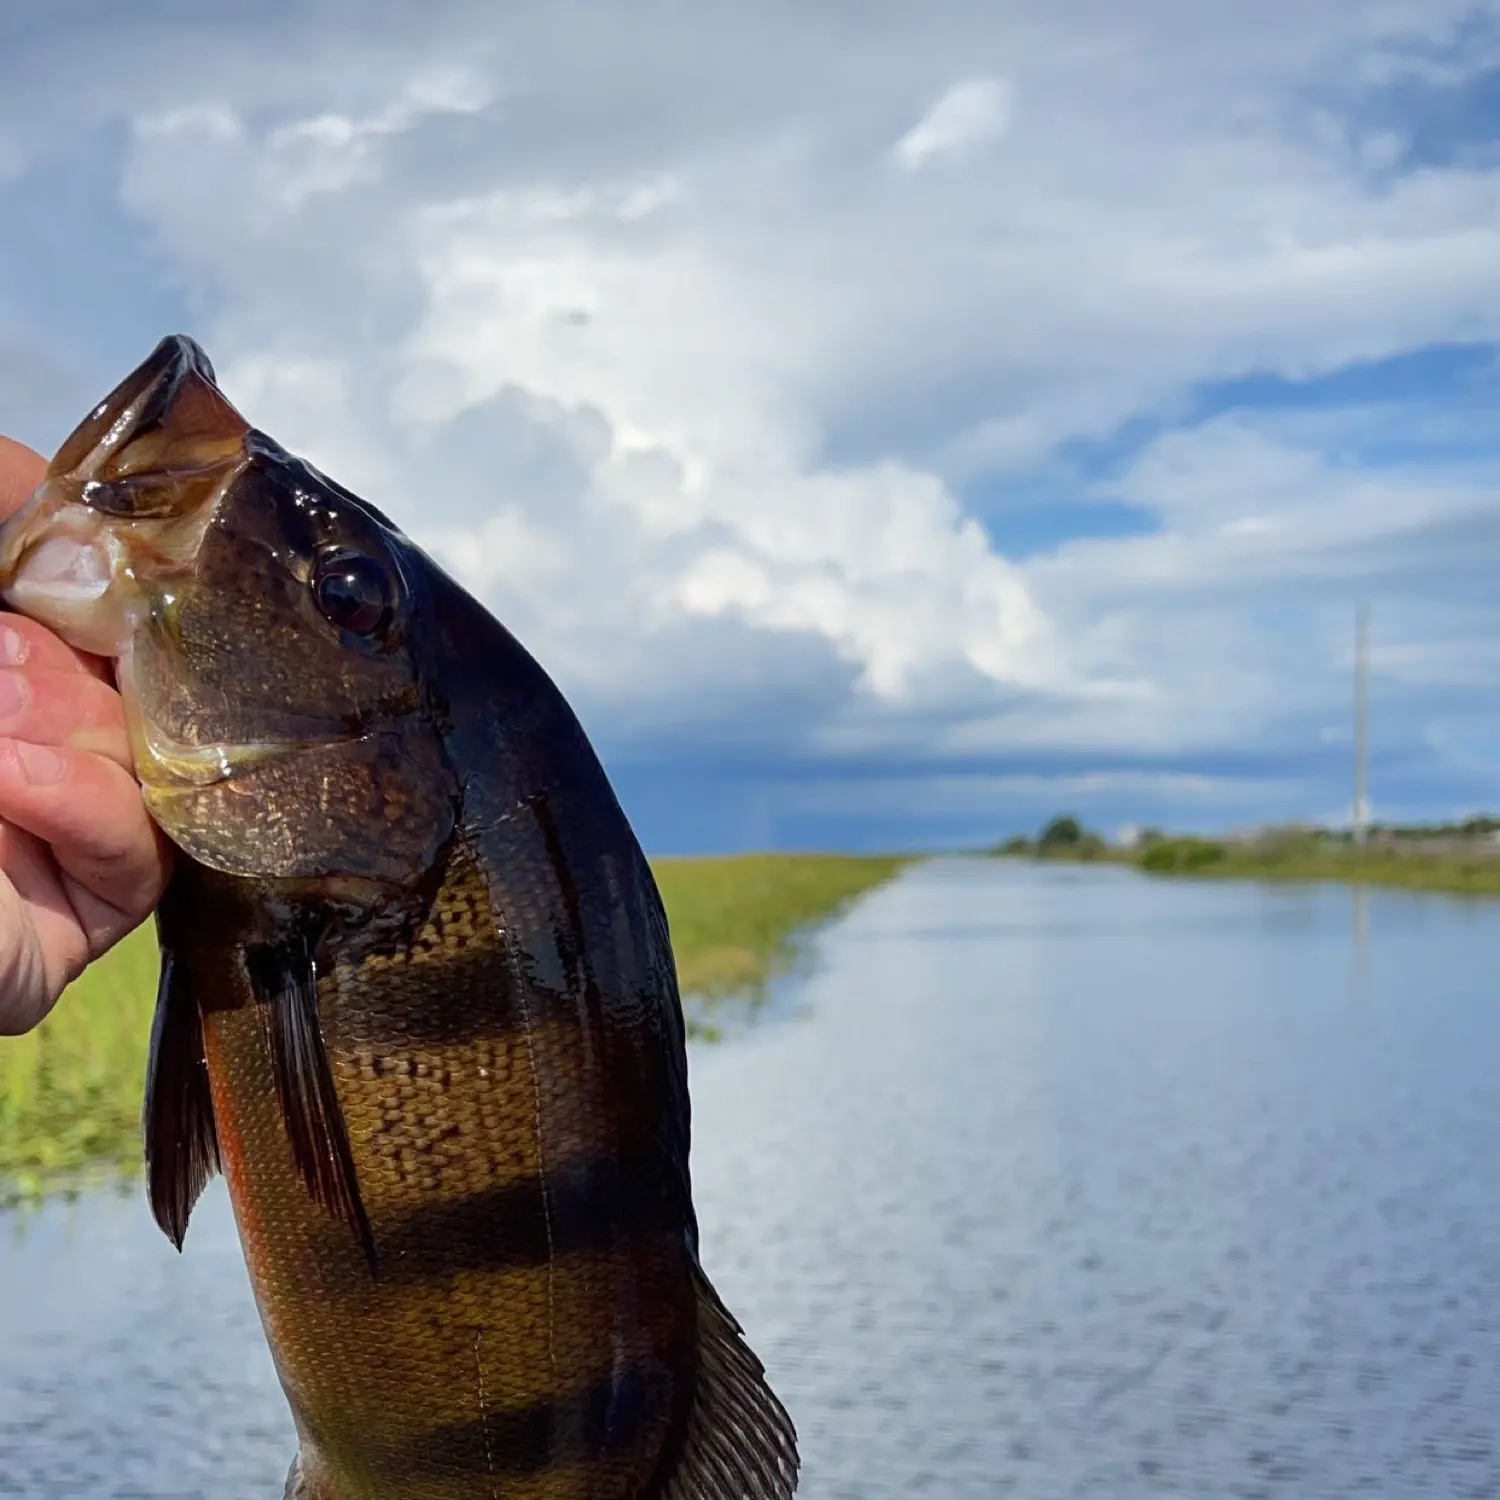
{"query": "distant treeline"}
{"type": "Point", "coordinates": [1460, 856]}
{"type": "Point", "coordinates": [1062, 838]}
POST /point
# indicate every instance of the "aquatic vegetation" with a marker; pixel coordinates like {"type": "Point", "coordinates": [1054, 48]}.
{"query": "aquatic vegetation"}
{"type": "Point", "coordinates": [733, 917]}
{"type": "Point", "coordinates": [70, 1092]}
{"type": "Point", "coordinates": [1180, 855]}
{"type": "Point", "coordinates": [1456, 872]}
{"type": "Point", "coordinates": [1461, 858]}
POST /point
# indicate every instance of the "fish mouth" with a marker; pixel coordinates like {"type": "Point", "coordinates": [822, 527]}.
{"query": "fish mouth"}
{"type": "Point", "coordinates": [124, 504]}
{"type": "Point", "coordinates": [99, 550]}
{"type": "Point", "coordinates": [149, 399]}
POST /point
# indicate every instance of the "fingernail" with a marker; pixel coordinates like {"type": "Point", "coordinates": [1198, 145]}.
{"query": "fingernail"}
{"type": "Point", "coordinates": [39, 764]}
{"type": "Point", "coordinates": [14, 692]}
{"type": "Point", "coordinates": [13, 647]}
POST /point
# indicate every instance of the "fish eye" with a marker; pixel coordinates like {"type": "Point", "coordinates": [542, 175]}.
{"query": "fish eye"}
{"type": "Point", "coordinates": [354, 592]}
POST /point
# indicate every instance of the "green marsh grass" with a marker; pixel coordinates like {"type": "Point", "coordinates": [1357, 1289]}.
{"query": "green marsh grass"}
{"type": "Point", "coordinates": [1455, 866]}
{"type": "Point", "coordinates": [1456, 872]}
{"type": "Point", "coordinates": [70, 1091]}
{"type": "Point", "coordinates": [734, 918]}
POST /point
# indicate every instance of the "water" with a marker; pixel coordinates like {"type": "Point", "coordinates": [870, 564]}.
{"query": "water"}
{"type": "Point", "coordinates": [1043, 1183]}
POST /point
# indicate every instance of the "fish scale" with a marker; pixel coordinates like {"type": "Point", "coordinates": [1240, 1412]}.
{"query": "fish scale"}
{"type": "Point", "coordinates": [418, 1001]}
{"type": "Point", "coordinates": [452, 1117]}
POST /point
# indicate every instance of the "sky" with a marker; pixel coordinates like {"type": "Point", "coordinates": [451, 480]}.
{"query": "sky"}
{"type": "Point", "coordinates": [890, 424]}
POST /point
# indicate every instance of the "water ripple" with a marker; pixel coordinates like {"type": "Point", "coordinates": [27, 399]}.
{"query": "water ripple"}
{"type": "Point", "coordinates": [1045, 1183]}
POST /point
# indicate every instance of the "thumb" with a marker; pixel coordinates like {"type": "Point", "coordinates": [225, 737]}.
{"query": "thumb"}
{"type": "Point", "coordinates": [21, 470]}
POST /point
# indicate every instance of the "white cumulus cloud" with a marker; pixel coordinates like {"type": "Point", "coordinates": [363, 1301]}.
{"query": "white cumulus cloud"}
{"type": "Point", "coordinates": [976, 110]}
{"type": "Point", "coordinates": [628, 317]}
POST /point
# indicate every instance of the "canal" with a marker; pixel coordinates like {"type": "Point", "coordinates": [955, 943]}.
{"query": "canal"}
{"type": "Point", "coordinates": [1037, 1181]}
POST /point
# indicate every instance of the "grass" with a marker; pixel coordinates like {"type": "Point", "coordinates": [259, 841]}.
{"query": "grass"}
{"type": "Point", "coordinates": [734, 919]}
{"type": "Point", "coordinates": [1462, 872]}
{"type": "Point", "coordinates": [1461, 858]}
{"type": "Point", "coordinates": [70, 1091]}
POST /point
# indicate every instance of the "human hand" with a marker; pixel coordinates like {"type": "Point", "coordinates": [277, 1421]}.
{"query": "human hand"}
{"type": "Point", "coordinates": [81, 863]}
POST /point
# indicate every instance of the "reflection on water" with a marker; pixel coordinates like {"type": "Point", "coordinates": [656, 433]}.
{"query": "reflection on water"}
{"type": "Point", "coordinates": [1359, 900]}
{"type": "Point", "coordinates": [1044, 1182]}
{"type": "Point", "coordinates": [126, 1370]}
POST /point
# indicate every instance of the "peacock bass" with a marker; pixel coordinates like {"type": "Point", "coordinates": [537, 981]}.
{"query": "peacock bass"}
{"type": "Point", "coordinates": [418, 1002]}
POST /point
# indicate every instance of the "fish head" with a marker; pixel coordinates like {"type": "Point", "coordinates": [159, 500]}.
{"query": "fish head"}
{"type": "Point", "coordinates": [263, 626]}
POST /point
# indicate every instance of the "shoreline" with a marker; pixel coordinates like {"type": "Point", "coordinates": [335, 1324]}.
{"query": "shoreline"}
{"type": "Point", "coordinates": [1451, 875]}
{"type": "Point", "coordinates": [1399, 875]}
{"type": "Point", "coordinates": [70, 1091]}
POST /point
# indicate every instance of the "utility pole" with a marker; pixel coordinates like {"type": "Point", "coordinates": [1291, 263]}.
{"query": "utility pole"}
{"type": "Point", "coordinates": [1361, 819]}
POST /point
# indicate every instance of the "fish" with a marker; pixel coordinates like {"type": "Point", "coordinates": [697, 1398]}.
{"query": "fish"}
{"type": "Point", "coordinates": [417, 1001]}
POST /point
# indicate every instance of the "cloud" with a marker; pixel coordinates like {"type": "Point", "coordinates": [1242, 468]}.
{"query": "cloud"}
{"type": "Point", "coordinates": [592, 305]}
{"type": "Point", "coordinates": [329, 152]}
{"type": "Point", "coordinates": [636, 327]}
{"type": "Point", "coordinates": [970, 112]}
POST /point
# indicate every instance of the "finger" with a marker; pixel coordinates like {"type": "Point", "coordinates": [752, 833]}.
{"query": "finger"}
{"type": "Point", "coordinates": [23, 642]}
{"type": "Point", "coordinates": [21, 470]}
{"type": "Point", "coordinates": [64, 708]}
{"type": "Point", "coordinates": [90, 812]}
{"type": "Point", "coordinates": [51, 947]}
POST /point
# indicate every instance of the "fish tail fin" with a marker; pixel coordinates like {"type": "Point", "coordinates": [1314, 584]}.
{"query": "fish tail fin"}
{"type": "Point", "coordinates": [739, 1438]}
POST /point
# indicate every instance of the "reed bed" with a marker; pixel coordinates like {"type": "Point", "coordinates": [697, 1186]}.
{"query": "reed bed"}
{"type": "Point", "coordinates": [70, 1091]}
{"type": "Point", "coordinates": [1472, 870]}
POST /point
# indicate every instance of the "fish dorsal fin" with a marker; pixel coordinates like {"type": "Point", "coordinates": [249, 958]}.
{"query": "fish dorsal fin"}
{"type": "Point", "coordinates": [284, 979]}
{"type": "Point", "coordinates": [177, 1117]}
{"type": "Point", "coordinates": [740, 1443]}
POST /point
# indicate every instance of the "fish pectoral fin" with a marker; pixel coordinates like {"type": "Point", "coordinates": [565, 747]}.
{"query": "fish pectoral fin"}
{"type": "Point", "coordinates": [739, 1438]}
{"type": "Point", "coordinates": [284, 979]}
{"type": "Point", "coordinates": [177, 1116]}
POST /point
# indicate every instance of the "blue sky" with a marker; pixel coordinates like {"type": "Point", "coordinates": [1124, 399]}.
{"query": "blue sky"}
{"type": "Point", "coordinates": [890, 424]}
